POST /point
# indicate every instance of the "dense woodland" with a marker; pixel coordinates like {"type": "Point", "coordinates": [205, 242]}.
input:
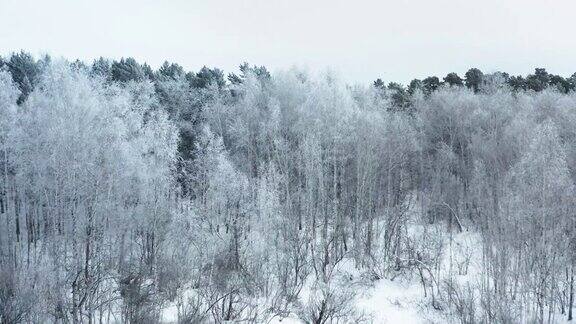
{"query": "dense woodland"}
{"type": "Point", "coordinates": [125, 189]}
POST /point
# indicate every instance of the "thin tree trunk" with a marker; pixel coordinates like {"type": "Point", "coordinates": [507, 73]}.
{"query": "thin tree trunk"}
{"type": "Point", "coordinates": [571, 302]}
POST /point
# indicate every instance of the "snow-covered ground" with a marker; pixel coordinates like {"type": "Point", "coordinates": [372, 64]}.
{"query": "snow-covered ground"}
{"type": "Point", "coordinates": [397, 301]}
{"type": "Point", "coordinates": [386, 302]}
{"type": "Point", "coordinates": [401, 299]}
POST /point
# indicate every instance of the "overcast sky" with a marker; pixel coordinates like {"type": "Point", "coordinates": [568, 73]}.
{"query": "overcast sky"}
{"type": "Point", "coordinates": [362, 40]}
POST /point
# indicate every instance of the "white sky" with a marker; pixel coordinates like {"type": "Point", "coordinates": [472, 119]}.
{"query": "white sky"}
{"type": "Point", "coordinates": [362, 40]}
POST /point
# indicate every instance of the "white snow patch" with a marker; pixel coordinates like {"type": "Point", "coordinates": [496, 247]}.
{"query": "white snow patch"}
{"type": "Point", "coordinates": [393, 302]}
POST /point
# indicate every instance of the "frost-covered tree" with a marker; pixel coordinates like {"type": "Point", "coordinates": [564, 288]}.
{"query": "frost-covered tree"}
{"type": "Point", "coordinates": [86, 158]}
{"type": "Point", "coordinates": [540, 210]}
{"type": "Point", "coordinates": [130, 195]}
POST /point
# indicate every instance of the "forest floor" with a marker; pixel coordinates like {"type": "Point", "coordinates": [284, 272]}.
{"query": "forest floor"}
{"type": "Point", "coordinates": [401, 298]}
{"type": "Point", "coordinates": [398, 301]}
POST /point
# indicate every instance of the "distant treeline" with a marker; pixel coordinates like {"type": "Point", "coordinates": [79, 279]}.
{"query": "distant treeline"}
{"type": "Point", "coordinates": [25, 70]}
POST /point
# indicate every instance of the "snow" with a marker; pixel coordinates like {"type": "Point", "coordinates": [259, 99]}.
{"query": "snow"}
{"type": "Point", "coordinates": [382, 301]}
{"type": "Point", "coordinates": [402, 299]}
{"type": "Point", "coordinates": [387, 302]}
{"type": "Point", "coordinates": [393, 302]}
{"type": "Point", "coordinates": [170, 314]}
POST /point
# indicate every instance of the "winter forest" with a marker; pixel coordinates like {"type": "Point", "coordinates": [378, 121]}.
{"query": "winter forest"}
{"type": "Point", "coordinates": [137, 195]}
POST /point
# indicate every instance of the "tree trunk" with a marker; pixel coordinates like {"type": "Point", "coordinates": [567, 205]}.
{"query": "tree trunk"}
{"type": "Point", "coordinates": [571, 302]}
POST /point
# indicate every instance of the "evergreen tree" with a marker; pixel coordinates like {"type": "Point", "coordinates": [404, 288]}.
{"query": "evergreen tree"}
{"type": "Point", "coordinates": [415, 85]}
{"type": "Point", "coordinates": [453, 79]}
{"type": "Point", "coordinates": [24, 72]}
{"type": "Point", "coordinates": [127, 70]}
{"type": "Point", "coordinates": [430, 84]}
{"type": "Point", "coordinates": [474, 79]}
{"type": "Point", "coordinates": [538, 81]}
